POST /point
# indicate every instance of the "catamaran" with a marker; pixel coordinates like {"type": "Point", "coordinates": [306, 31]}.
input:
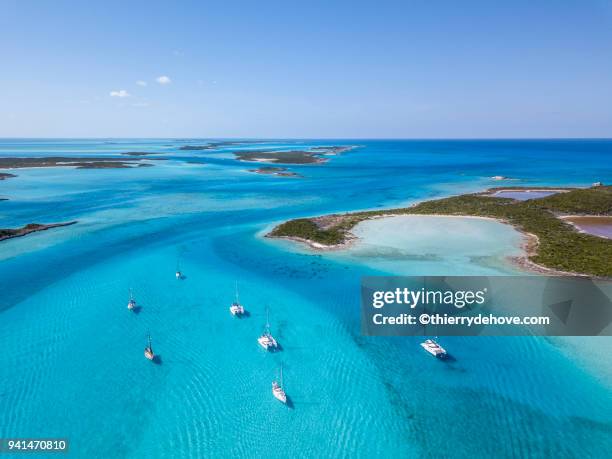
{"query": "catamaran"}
{"type": "Point", "coordinates": [434, 348]}
{"type": "Point", "coordinates": [132, 302]}
{"type": "Point", "coordinates": [277, 389]}
{"type": "Point", "coordinates": [148, 352]}
{"type": "Point", "coordinates": [236, 308]}
{"type": "Point", "coordinates": [266, 340]}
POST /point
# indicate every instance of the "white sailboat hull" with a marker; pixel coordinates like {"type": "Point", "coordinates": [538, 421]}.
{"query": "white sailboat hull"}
{"type": "Point", "coordinates": [434, 348]}
{"type": "Point", "coordinates": [267, 342]}
{"type": "Point", "coordinates": [279, 393]}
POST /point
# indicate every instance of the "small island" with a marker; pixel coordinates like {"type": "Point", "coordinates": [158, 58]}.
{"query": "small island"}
{"type": "Point", "coordinates": [332, 150]}
{"type": "Point", "coordinates": [76, 162]}
{"type": "Point", "coordinates": [214, 145]}
{"type": "Point", "coordinates": [8, 233]}
{"type": "Point", "coordinates": [497, 189]}
{"type": "Point", "coordinates": [4, 176]}
{"type": "Point", "coordinates": [140, 153]}
{"type": "Point", "coordinates": [552, 245]}
{"type": "Point", "coordinates": [277, 171]}
{"type": "Point", "coordinates": [196, 147]}
{"type": "Point", "coordinates": [315, 155]}
{"type": "Point", "coordinates": [501, 177]}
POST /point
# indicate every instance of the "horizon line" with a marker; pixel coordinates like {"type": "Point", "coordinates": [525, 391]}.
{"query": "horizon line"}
{"type": "Point", "coordinates": [301, 138]}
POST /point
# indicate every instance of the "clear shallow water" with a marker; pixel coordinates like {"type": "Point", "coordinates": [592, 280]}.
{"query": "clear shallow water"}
{"type": "Point", "coordinates": [414, 244]}
{"type": "Point", "coordinates": [523, 195]}
{"type": "Point", "coordinates": [71, 360]}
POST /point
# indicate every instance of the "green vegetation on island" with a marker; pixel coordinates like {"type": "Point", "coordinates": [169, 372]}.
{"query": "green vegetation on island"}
{"type": "Point", "coordinates": [285, 157]}
{"type": "Point", "coordinates": [559, 245]}
{"type": "Point", "coordinates": [314, 155]}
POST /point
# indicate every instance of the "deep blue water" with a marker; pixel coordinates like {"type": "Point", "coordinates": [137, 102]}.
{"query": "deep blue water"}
{"type": "Point", "coordinates": [71, 361]}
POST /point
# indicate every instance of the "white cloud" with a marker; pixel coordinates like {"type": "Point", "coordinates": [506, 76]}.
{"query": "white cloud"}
{"type": "Point", "coordinates": [163, 80]}
{"type": "Point", "coordinates": [120, 93]}
{"type": "Point", "coordinates": [141, 83]}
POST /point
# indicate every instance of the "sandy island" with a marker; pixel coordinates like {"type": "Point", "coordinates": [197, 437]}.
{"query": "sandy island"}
{"type": "Point", "coordinates": [141, 153]}
{"type": "Point", "coordinates": [8, 233]}
{"type": "Point", "coordinates": [276, 171]}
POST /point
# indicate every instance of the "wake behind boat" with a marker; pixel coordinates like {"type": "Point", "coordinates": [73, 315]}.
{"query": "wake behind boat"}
{"type": "Point", "coordinates": [434, 348]}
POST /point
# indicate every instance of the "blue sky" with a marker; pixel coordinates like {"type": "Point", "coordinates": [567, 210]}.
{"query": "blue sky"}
{"type": "Point", "coordinates": [410, 69]}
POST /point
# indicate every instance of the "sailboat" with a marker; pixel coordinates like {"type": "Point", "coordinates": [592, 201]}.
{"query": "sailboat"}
{"type": "Point", "coordinates": [277, 389]}
{"type": "Point", "coordinates": [432, 346]}
{"type": "Point", "coordinates": [178, 274]}
{"type": "Point", "coordinates": [132, 302]}
{"type": "Point", "coordinates": [148, 352]}
{"type": "Point", "coordinates": [266, 340]}
{"type": "Point", "coordinates": [236, 308]}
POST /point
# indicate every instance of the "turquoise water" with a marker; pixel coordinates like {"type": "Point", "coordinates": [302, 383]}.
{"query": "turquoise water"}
{"type": "Point", "coordinates": [71, 354]}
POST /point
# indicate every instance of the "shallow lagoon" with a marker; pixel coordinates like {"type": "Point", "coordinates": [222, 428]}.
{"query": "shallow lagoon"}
{"type": "Point", "coordinates": [417, 244]}
{"type": "Point", "coordinates": [72, 364]}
